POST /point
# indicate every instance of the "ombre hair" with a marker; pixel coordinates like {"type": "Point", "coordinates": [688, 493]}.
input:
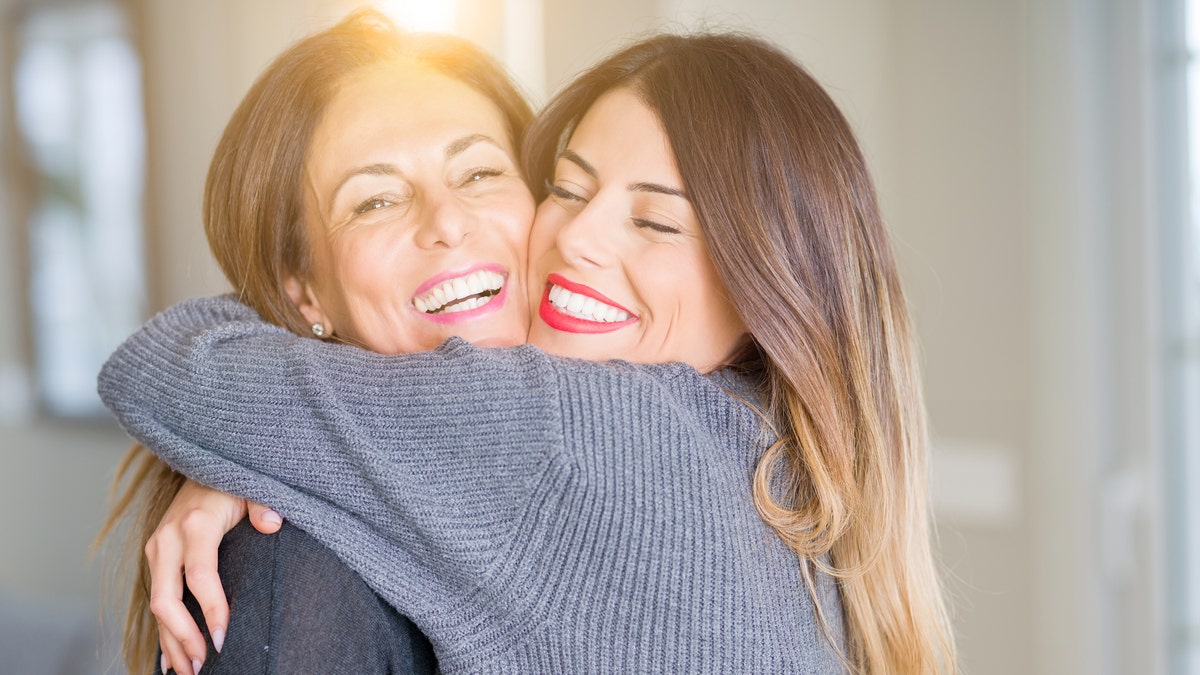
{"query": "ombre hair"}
{"type": "Point", "coordinates": [253, 217]}
{"type": "Point", "coordinates": [792, 224]}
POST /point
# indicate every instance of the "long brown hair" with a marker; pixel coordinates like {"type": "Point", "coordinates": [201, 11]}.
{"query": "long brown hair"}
{"type": "Point", "coordinates": [254, 222]}
{"type": "Point", "coordinates": [792, 223]}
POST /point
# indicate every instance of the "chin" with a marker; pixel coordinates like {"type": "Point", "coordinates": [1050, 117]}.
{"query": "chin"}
{"type": "Point", "coordinates": [575, 347]}
{"type": "Point", "coordinates": [495, 336]}
{"type": "Point", "coordinates": [497, 342]}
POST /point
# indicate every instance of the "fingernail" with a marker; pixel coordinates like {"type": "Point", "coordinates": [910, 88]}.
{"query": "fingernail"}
{"type": "Point", "coordinates": [218, 637]}
{"type": "Point", "coordinates": [272, 517]}
{"type": "Point", "coordinates": [162, 664]}
{"type": "Point", "coordinates": [196, 666]}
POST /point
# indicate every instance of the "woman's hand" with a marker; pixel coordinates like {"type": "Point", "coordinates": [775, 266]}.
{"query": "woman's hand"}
{"type": "Point", "coordinates": [186, 541]}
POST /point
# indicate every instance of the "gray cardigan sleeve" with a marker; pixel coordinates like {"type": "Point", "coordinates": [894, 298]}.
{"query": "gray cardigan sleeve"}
{"type": "Point", "coordinates": [529, 513]}
{"type": "Point", "coordinates": [406, 449]}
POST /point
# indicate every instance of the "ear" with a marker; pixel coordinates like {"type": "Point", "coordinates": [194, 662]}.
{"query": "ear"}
{"type": "Point", "coordinates": [305, 300]}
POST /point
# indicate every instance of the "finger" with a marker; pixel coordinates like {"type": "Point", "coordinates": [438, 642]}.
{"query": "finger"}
{"type": "Point", "coordinates": [174, 655]}
{"type": "Point", "coordinates": [264, 518]}
{"type": "Point", "coordinates": [165, 555]}
{"type": "Point", "coordinates": [202, 544]}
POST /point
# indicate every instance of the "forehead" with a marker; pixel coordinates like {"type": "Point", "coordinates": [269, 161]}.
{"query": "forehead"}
{"type": "Point", "coordinates": [621, 130]}
{"type": "Point", "coordinates": [401, 106]}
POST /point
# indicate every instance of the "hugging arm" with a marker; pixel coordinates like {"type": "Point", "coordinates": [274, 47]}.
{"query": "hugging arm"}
{"type": "Point", "coordinates": [299, 609]}
{"type": "Point", "coordinates": [185, 547]}
{"type": "Point", "coordinates": [395, 460]}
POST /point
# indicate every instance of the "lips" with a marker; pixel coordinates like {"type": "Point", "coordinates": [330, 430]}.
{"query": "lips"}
{"type": "Point", "coordinates": [575, 308]}
{"type": "Point", "coordinates": [462, 295]}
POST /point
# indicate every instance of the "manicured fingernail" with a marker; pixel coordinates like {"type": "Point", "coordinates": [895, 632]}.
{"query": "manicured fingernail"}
{"type": "Point", "coordinates": [196, 666]}
{"type": "Point", "coordinates": [218, 637]}
{"type": "Point", "coordinates": [162, 663]}
{"type": "Point", "coordinates": [271, 517]}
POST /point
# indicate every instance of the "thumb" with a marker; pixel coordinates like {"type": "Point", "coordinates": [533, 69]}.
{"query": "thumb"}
{"type": "Point", "coordinates": [264, 518]}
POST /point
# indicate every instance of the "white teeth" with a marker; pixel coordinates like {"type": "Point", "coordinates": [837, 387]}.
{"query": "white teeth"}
{"type": "Point", "coordinates": [469, 303]}
{"type": "Point", "coordinates": [575, 303]}
{"type": "Point", "coordinates": [458, 292]}
{"type": "Point", "coordinates": [585, 307]}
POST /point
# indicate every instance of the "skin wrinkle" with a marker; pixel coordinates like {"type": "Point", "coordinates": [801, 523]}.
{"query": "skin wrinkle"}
{"type": "Point", "coordinates": [431, 217]}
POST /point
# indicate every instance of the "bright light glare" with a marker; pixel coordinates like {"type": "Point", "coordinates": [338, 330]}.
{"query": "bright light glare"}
{"type": "Point", "coordinates": [436, 16]}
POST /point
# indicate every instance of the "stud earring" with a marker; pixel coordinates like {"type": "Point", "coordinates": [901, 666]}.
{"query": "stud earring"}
{"type": "Point", "coordinates": [318, 329]}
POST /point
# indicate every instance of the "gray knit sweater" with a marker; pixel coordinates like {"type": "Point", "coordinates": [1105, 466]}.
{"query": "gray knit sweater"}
{"type": "Point", "coordinates": [530, 513]}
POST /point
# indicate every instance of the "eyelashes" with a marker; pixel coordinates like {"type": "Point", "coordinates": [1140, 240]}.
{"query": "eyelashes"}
{"type": "Point", "coordinates": [374, 204]}
{"type": "Point", "coordinates": [480, 174]}
{"type": "Point", "coordinates": [641, 223]}
{"type": "Point", "coordinates": [562, 193]}
{"type": "Point", "coordinates": [657, 227]}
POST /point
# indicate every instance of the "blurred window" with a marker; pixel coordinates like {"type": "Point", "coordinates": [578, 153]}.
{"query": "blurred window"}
{"type": "Point", "coordinates": [78, 97]}
{"type": "Point", "coordinates": [1181, 269]}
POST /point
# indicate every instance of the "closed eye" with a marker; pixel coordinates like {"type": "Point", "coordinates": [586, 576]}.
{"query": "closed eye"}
{"type": "Point", "coordinates": [657, 227]}
{"type": "Point", "coordinates": [562, 193]}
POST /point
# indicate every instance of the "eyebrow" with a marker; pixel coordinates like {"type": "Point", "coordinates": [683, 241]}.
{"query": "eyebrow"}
{"type": "Point", "coordinates": [574, 158]}
{"type": "Point", "coordinates": [457, 147]}
{"type": "Point", "coordinates": [382, 169]}
{"type": "Point", "coordinates": [658, 188]}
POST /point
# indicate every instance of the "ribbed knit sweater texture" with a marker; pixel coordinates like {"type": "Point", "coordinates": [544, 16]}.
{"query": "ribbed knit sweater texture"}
{"type": "Point", "coordinates": [530, 513]}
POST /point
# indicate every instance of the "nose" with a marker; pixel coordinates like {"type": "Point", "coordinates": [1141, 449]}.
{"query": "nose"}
{"type": "Point", "coordinates": [443, 223]}
{"type": "Point", "coordinates": [587, 239]}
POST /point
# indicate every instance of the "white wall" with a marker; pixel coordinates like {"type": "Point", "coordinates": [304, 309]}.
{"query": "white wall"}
{"type": "Point", "coordinates": [954, 192]}
{"type": "Point", "coordinates": [1095, 482]}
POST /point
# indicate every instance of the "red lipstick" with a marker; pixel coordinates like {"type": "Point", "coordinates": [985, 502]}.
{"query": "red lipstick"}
{"type": "Point", "coordinates": [560, 320]}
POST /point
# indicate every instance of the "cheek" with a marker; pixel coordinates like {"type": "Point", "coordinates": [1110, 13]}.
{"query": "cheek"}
{"type": "Point", "coordinates": [321, 255]}
{"type": "Point", "coordinates": [363, 262]}
{"type": "Point", "coordinates": [372, 284]}
{"type": "Point", "coordinates": [507, 218]}
{"type": "Point", "coordinates": [546, 223]}
{"type": "Point", "coordinates": [521, 210]}
{"type": "Point", "coordinates": [720, 317]}
{"type": "Point", "coordinates": [695, 290]}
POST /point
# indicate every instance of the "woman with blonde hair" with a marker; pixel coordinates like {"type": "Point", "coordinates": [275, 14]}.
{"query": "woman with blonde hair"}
{"type": "Point", "coordinates": [709, 221]}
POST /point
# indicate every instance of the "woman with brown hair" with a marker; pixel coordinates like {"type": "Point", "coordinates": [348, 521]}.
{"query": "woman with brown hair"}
{"type": "Point", "coordinates": [366, 99]}
{"type": "Point", "coordinates": [709, 217]}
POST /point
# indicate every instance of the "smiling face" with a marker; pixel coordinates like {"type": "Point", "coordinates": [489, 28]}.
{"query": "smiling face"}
{"type": "Point", "coordinates": [617, 256]}
{"type": "Point", "coordinates": [417, 216]}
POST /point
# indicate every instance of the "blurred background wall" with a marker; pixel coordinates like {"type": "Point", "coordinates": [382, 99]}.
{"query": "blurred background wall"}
{"type": "Point", "coordinates": [1031, 161]}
